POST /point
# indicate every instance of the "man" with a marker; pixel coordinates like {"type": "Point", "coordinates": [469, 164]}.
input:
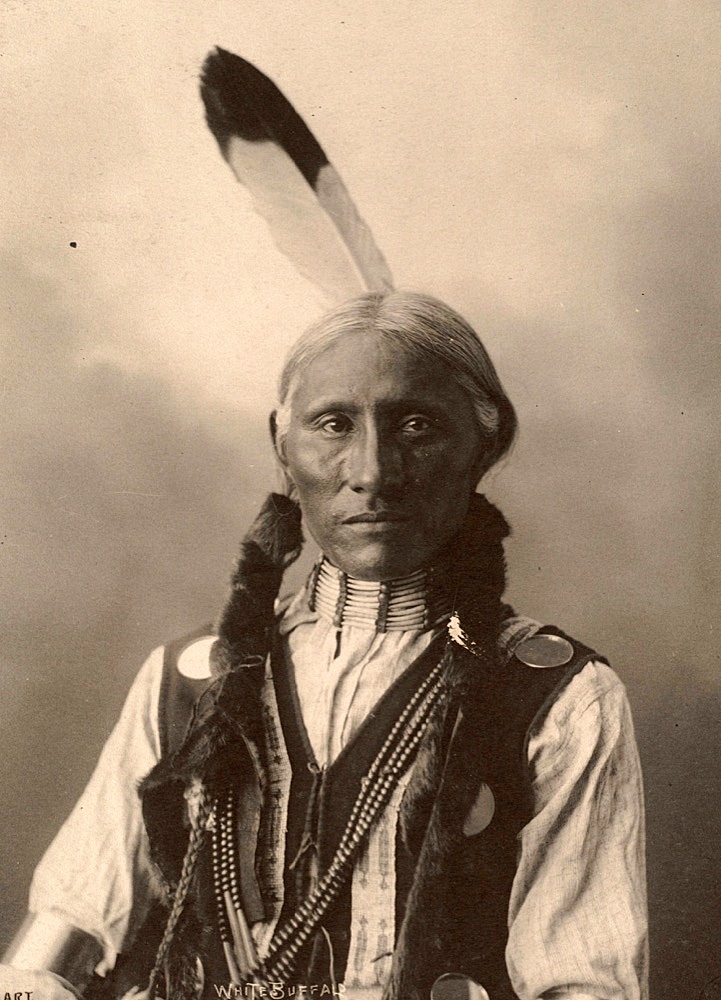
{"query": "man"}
{"type": "Point", "coordinates": [392, 785]}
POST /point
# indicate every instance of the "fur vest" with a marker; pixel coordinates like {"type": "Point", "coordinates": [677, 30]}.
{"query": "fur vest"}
{"type": "Point", "coordinates": [467, 800]}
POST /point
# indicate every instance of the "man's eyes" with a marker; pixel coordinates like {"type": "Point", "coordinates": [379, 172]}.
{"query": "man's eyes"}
{"type": "Point", "coordinates": [339, 424]}
{"type": "Point", "coordinates": [334, 424]}
{"type": "Point", "coordinates": [415, 425]}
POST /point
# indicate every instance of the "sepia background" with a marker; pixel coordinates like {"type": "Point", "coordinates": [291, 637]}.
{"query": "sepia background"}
{"type": "Point", "coordinates": [549, 168]}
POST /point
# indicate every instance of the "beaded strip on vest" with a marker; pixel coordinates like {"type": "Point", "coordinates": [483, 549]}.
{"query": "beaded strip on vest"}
{"type": "Point", "coordinates": [417, 601]}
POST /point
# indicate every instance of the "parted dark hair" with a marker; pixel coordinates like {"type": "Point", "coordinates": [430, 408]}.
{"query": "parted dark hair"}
{"type": "Point", "coordinates": [425, 327]}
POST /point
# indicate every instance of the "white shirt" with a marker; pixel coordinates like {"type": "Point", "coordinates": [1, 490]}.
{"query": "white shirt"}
{"type": "Point", "coordinates": [577, 913]}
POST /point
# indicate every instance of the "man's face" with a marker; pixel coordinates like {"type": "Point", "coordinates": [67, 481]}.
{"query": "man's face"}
{"type": "Point", "coordinates": [384, 451]}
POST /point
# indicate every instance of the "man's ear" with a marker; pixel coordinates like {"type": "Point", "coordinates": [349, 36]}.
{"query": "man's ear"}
{"type": "Point", "coordinates": [288, 484]}
{"type": "Point", "coordinates": [273, 425]}
{"type": "Point", "coordinates": [277, 443]}
{"type": "Point", "coordinates": [480, 464]}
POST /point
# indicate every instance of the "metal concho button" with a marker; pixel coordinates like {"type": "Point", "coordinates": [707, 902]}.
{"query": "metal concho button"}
{"type": "Point", "coordinates": [481, 812]}
{"type": "Point", "coordinates": [456, 986]}
{"type": "Point", "coordinates": [544, 651]}
{"type": "Point", "coordinates": [194, 662]}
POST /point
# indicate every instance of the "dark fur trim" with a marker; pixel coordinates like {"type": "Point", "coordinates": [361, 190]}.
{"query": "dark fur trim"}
{"type": "Point", "coordinates": [226, 729]}
{"type": "Point", "coordinates": [477, 567]}
{"type": "Point", "coordinates": [478, 570]}
{"type": "Point", "coordinates": [436, 797]}
{"type": "Point", "coordinates": [272, 543]}
{"type": "Point", "coordinates": [223, 743]}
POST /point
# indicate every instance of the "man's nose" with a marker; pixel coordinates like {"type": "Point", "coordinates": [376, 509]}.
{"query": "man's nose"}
{"type": "Point", "coordinates": [375, 463]}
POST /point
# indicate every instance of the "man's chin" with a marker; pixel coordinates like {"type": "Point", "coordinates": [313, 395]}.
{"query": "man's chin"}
{"type": "Point", "coordinates": [376, 561]}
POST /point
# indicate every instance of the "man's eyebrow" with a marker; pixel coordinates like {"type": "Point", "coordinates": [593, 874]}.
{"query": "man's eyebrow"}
{"type": "Point", "coordinates": [430, 405]}
{"type": "Point", "coordinates": [314, 407]}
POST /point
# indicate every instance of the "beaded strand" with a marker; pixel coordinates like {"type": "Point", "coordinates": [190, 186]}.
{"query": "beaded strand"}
{"type": "Point", "coordinates": [302, 925]}
{"type": "Point", "coordinates": [218, 876]}
{"type": "Point", "coordinates": [376, 789]}
{"type": "Point", "coordinates": [234, 934]}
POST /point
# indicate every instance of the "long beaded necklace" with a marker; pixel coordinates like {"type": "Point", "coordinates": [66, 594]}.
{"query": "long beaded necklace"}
{"type": "Point", "coordinates": [235, 935]}
{"type": "Point", "coordinates": [376, 789]}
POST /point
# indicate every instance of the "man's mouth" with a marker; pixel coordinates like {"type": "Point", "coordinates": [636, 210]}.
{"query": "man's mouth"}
{"type": "Point", "coordinates": [376, 517]}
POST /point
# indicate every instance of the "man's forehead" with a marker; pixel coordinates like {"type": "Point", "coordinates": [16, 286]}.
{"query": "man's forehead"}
{"type": "Point", "coordinates": [365, 371]}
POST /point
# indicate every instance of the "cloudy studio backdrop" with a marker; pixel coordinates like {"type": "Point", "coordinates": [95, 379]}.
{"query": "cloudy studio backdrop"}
{"type": "Point", "coordinates": [549, 169]}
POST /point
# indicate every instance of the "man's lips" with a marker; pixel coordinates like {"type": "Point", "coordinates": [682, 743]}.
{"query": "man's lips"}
{"type": "Point", "coordinates": [376, 517]}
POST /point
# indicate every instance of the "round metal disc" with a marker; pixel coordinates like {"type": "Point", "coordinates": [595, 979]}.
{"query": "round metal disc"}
{"type": "Point", "coordinates": [194, 662]}
{"type": "Point", "coordinates": [544, 651]}
{"type": "Point", "coordinates": [456, 986]}
{"type": "Point", "coordinates": [481, 812]}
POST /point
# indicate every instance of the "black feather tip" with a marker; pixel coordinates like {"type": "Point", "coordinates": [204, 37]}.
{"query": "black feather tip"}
{"type": "Point", "coordinates": [241, 101]}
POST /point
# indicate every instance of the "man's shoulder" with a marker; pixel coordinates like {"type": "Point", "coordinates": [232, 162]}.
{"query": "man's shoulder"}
{"type": "Point", "coordinates": [582, 702]}
{"type": "Point", "coordinates": [185, 675]}
{"type": "Point", "coordinates": [544, 663]}
{"type": "Point", "coordinates": [528, 642]}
